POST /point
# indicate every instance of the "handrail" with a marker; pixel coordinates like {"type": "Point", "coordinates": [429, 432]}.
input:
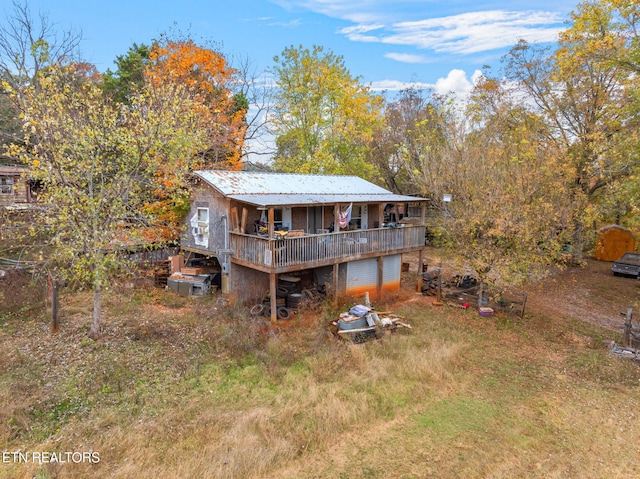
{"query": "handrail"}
{"type": "Point", "coordinates": [316, 248]}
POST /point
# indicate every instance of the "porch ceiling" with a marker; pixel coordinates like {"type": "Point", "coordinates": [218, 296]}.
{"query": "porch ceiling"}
{"type": "Point", "coordinates": [265, 200]}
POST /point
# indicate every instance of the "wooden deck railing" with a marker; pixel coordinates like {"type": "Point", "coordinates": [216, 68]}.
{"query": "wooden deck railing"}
{"type": "Point", "coordinates": [324, 248]}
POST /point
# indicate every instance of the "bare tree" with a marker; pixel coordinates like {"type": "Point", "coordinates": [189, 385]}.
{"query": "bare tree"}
{"type": "Point", "coordinates": [256, 90]}
{"type": "Point", "coordinates": [27, 45]}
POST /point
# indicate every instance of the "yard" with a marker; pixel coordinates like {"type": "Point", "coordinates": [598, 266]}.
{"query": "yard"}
{"type": "Point", "coordinates": [192, 387]}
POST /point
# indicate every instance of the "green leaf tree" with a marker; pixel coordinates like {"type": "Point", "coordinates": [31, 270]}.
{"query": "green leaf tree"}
{"type": "Point", "coordinates": [584, 94]}
{"type": "Point", "coordinates": [129, 74]}
{"type": "Point", "coordinates": [509, 204]}
{"type": "Point", "coordinates": [510, 209]}
{"type": "Point", "coordinates": [323, 118]}
{"type": "Point", "coordinates": [99, 163]}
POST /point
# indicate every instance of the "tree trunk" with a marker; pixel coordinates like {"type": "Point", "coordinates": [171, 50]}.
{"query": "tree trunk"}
{"type": "Point", "coordinates": [94, 332]}
{"type": "Point", "coordinates": [52, 300]}
{"type": "Point", "coordinates": [578, 241]}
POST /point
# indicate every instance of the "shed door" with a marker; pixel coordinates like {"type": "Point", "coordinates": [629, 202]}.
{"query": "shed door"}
{"type": "Point", "coordinates": [391, 272]}
{"type": "Point", "coordinates": [362, 277]}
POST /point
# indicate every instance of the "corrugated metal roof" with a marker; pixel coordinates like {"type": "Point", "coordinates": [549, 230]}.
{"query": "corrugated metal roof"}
{"type": "Point", "coordinates": [265, 189]}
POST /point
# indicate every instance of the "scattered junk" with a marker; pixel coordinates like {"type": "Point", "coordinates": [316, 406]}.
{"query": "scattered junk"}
{"type": "Point", "coordinates": [196, 279]}
{"type": "Point", "coordinates": [291, 295]}
{"type": "Point", "coordinates": [463, 290]}
{"type": "Point", "coordinates": [431, 281]}
{"type": "Point", "coordinates": [630, 339]}
{"type": "Point", "coordinates": [362, 323]}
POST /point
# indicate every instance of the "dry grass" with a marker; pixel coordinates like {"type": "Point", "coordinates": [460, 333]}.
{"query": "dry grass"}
{"type": "Point", "coordinates": [188, 388]}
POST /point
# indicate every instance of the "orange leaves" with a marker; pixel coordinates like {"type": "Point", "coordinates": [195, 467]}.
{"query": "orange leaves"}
{"type": "Point", "coordinates": [209, 80]}
{"type": "Point", "coordinates": [183, 62]}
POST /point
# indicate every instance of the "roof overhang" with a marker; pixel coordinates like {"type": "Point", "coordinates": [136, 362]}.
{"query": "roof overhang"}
{"type": "Point", "coordinates": [265, 200]}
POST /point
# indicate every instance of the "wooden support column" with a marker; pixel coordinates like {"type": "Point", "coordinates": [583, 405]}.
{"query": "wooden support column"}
{"type": "Point", "coordinates": [336, 218]}
{"type": "Point", "coordinates": [273, 280]}
{"type": "Point", "coordinates": [271, 221]}
{"type": "Point", "coordinates": [379, 288]}
{"type": "Point", "coordinates": [420, 260]}
{"type": "Point", "coordinates": [335, 283]}
{"type": "Point", "coordinates": [380, 215]}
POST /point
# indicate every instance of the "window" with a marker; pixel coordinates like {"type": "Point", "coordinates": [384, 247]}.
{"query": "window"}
{"type": "Point", "coordinates": [203, 220]}
{"type": "Point", "coordinates": [6, 186]}
{"type": "Point", "coordinates": [358, 217]}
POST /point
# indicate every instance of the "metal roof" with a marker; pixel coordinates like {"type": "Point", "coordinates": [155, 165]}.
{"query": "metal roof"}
{"type": "Point", "coordinates": [279, 189]}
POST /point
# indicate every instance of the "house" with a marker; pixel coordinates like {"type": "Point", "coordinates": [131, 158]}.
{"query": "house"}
{"type": "Point", "coordinates": [326, 230]}
{"type": "Point", "coordinates": [15, 189]}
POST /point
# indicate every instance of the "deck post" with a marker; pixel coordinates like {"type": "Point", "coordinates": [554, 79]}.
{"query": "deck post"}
{"type": "Point", "coordinates": [271, 221]}
{"type": "Point", "coordinates": [420, 260]}
{"type": "Point", "coordinates": [335, 283]}
{"type": "Point", "coordinates": [272, 297]}
{"type": "Point", "coordinates": [336, 218]}
{"type": "Point", "coordinates": [380, 282]}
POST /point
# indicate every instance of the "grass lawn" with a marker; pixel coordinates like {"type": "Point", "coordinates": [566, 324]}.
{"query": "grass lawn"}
{"type": "Point", "coordinates": [187, 387]}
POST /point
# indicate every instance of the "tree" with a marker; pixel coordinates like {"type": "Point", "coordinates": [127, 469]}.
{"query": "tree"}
{"type": "Point", "coordinates": [207, 75]}
{"type": "Point", "coordinates": [400, 145]}
{"type": "Point", "coordinates": [583, 93]}
{"type": "Point", "coordinates": [27, 46]}
{"type": "Point", "coordinates": [129, 75]}
{"type": "Point", "coordinates": [508, 186]}
{"type": "Point", "coordinates": [323, 118]}
{"type": "Point", "coordinates": [98, 162]}
{"type": "Point", "coordinates": [510, 209]}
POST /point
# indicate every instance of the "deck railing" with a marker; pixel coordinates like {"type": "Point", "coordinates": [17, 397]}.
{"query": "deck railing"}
{"type": "Point", "coordinates": [323, 248]}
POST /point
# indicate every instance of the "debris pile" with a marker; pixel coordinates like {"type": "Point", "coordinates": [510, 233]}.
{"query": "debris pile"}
{"type": "Point", "coordinates": [362, 323]}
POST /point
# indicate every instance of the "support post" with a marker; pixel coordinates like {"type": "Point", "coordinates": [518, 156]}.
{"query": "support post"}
{"type": "Point", "coordinates": [420, 260]}
{"type": "Point", "coordinates": [626, 335]}
{"type": "Point", "coordinates": [271, 220]}
{"type": "Point", "coordinates": [335, 283]}
{"type": "Point", "coordinates": [379, 288]}
{"type": "Point", "coordinates": [272, 297]}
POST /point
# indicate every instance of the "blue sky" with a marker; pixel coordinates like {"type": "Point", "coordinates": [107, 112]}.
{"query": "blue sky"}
{"type": "Point", "coordinates": [388, 44]}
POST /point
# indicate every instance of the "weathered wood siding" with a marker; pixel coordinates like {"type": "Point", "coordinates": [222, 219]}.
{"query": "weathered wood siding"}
{"type": "Point", "coordinates": [205, 197]}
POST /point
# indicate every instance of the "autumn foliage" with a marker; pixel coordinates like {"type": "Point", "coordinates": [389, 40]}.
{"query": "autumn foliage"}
{"type": "Point", "coordinates": [210, 80]}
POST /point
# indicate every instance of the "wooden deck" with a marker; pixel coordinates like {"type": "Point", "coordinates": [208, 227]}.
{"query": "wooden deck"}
{"type": "Point", "coordinates": [312, 251]}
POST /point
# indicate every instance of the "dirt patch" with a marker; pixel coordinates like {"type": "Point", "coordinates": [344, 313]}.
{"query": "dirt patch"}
{"type": "Point", "coordinates": [592, 294]}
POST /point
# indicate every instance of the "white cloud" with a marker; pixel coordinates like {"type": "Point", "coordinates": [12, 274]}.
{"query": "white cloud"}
{"type": "Point", "coordinates": [396, 85]}
{"type": "Point", "coordinates": [457, 83]}
{"type": "Point", "coordinates": [466, 33]}
{"type": "Point", "coordinates": [407, 57]}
